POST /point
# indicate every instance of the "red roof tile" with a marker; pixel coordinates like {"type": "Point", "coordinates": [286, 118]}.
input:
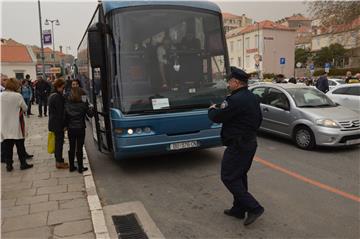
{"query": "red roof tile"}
{"type": "Point", "coordinates": [15, 53]}
{"type": "Point", "coordinates": [227, 15]}
{"type": "Point", "coordinates": [297, 18]}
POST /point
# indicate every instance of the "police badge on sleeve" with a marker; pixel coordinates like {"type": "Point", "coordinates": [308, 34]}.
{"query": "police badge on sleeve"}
{"type": "Point", "coordinates": [224, 104]}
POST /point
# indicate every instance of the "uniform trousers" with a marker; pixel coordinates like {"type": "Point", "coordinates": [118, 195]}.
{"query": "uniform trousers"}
{"type": "Point", "coordinates": [42, 100]}
{"type": "Point", "coordinates": [76, 141]}
{"type": "Point", "coordinates": [59, 144]}
{"type": "Point", "coordinates": [236, 163]}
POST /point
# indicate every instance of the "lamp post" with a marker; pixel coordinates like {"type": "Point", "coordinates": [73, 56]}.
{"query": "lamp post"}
{"type": "Point", "coordinates": [41, 42]}
{"type": "Point", "coordinates": [57, 23]}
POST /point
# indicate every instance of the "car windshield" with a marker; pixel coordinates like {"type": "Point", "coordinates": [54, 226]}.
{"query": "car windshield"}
{"type": "Point", "coordinates": [309, 97]}
{"type": "Point", "coordinates": [167, 60]}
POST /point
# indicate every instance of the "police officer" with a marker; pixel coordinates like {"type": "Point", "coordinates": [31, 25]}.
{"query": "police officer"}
{"type": "Point", "coordinates": [241, 116]}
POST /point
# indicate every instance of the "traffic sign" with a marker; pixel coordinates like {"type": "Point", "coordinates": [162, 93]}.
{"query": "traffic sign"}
{"type": "Point", "coordinates": [312, 67]}
{"type": "Point", "coordinates": [298, 65]}
{"type": "Point", "coordinates": [282, 61]}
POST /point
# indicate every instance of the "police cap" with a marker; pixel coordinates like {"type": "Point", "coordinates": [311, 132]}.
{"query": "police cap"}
{"type": "Point", "coordinates": [238, 74]}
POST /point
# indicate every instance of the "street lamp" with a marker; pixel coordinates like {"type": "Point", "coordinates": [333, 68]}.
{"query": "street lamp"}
{"type": "Point", "coordinates": [57, 23]}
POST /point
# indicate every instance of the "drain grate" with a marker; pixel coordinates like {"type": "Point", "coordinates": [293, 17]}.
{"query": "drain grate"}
{"type": "Point", "coordinates": [127, 227]}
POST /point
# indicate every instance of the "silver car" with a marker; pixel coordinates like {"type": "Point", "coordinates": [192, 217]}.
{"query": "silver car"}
{"type": "Point", "coordinates": [306, 115]}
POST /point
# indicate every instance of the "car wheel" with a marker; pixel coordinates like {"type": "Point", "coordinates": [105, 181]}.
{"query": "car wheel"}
{"type": "Point", "coordinates": [304, 138]}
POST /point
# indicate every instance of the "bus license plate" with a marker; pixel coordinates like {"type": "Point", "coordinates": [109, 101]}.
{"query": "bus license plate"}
{"type": "Point", "coordinates": [184, 145]}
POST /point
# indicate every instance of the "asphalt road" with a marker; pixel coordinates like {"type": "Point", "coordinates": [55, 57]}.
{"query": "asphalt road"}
{"type": "Point", "coordinates": [305, 194]}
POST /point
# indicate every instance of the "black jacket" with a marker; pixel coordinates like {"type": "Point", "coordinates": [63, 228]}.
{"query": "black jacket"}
{"type": "Point", "coordinates": [43, 88]}
{"type": "Point", "coordinates": [322, 84]}
{"type": "Point", "coordinates": [56, 112]}
{"type": "Point", "coordinates": [240, 115]}
{"type": "Point", "coordinates": [75, 113]}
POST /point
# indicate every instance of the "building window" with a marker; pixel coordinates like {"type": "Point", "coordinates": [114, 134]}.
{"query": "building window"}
{"type": "Point", "coordinates": [19, 76]}
{"type": "Point", "coordinates": [239, 44]}
{"type": "Point", "coordinates": [38, 56]}
{"type": "Point", "coordinates": [256, 41]}
{"type": "Point", "coordinates": [231, 46]}
{"type": "Point", "coordinates": [239, 61]}
{"type": "Point", "coordinates": [247, 61]}
{"type": "Point", "coordinates": [247, 43]}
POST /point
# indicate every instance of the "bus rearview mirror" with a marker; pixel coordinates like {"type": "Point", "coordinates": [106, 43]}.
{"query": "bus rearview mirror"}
{"type": "Point", "coordinates": [96, 46]}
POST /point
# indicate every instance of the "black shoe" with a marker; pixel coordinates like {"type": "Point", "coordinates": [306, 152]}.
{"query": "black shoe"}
{"type": "Point", "coordinates": [9, 168]}
{"type": "Point", "coordinates": [29, 156]}
{"type": "Point", "coordinates": [82, 169]}
{"type": "Point", "coordinates": [45, 115]}
{"type": "Point", "coordinates": [252, 216]}
{"type": "Point", "coordinates": [229, 212]}
{"type": "Point", "coordinates": [26, 166]}
{"type": "Point", "coordinates": [39, 116]}
{"type": "Point", "coordinates": [72, 169]}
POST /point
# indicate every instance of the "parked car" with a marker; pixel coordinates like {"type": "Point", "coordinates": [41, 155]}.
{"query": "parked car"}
{"type": "Point", "coordinates": [306, 115]}
{"type": "Point", "coordinates": [347, 95]}
{"type": "Point", "coordinates": [333, 82]}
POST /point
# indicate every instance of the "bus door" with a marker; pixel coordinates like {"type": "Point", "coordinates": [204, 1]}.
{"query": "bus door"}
{"type": "Point", "coordinates": [101, 116]}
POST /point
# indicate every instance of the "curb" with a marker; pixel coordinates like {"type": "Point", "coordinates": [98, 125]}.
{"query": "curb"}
{"type": "Point", "coordinates": [97, 213]}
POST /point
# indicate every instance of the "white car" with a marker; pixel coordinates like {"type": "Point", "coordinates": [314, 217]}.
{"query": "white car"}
{"type": "Point", "coordinates": [347, 95]}
{"type": "Point", "coordinates": [335, 82]}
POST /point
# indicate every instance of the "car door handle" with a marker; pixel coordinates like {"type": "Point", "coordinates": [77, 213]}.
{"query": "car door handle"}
{"type": "Point", "coordinates": [266, 110]}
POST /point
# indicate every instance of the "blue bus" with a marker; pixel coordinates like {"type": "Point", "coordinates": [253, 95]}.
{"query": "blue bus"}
{"type": "Point", "coordinates": [151, 69]}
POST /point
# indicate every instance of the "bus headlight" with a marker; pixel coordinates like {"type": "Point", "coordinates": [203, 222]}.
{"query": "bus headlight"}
{"type": "Point", "coordinates": [147, 130]}
{"type": "Point", "coordinates": [130, 131]}
{"type": "Point", "coordinates": [138, 131]}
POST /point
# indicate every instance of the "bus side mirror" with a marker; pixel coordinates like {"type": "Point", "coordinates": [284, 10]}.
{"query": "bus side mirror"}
{"type": "Point", "coordinates": [96, 45]}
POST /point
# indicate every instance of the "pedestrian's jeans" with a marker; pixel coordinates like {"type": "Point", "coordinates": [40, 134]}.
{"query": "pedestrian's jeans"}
{"type": "Point", "coordinates": [7, 150]}
{"type": "Point", "coordinates": [28, 103]}
{"type": "Point", "coordinates": [76, 141]}
{"type": "Point", "coordinates": [234, 167]}
{"type": "Point", "coordinates": [59, 143]}
{"type": "Point", "coordinates": [42, 102]}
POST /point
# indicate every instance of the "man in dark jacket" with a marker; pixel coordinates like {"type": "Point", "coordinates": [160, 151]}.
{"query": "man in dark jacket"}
{"type": "Point", "coordinates": [241, 116]}
{"type": "Point", "coordinates": [57, 121]}
{"type": "Point", "coordinates": [43, 89]}
{"type": "Point", "coordinates": [322, 83]}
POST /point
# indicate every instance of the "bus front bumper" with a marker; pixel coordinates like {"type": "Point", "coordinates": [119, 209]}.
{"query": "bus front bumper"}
{"type": "Point", "coordinates": [141, 146]}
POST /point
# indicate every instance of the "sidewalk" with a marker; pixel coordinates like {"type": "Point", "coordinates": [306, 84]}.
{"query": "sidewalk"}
{"type": "Point", "coordinates": [44, 202]}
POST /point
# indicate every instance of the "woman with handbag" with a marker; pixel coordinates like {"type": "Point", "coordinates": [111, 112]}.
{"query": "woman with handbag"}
{"type": "Point", "coordinates": [76, 109]}
{"type": "Point", "coordinates": [56, 121]}
{"type": "Point", "coordinates": [13, 131]}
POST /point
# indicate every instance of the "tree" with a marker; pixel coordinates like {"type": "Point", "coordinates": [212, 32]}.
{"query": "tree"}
{"type": "Point", "coordinates": [333, 54]}
{"type": "Point", "coordinates": [334, 12]}
{"type": "Point", "coordinates": [301, 55]}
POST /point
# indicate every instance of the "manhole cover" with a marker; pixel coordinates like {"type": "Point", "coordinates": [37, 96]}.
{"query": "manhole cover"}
{"type": "Point", "coordinates": [128, 227]}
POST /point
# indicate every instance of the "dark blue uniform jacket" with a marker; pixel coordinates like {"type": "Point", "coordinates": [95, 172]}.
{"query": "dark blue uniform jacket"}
{"type": "Point", "coordinates": [240, 115]}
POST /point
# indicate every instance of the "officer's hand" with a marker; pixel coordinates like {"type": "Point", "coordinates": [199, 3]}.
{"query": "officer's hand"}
{"type": "Point", "coordinates": [213, 106]}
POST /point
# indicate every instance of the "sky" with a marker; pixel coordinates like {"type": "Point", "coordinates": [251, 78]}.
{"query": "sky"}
{"type": "Point", "coordinates": [20, 19]}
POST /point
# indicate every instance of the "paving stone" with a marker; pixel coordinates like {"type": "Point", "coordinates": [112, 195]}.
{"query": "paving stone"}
{"type": "Point", "coordinates": [10, 180]}
{"type": "Point", "coordinates": [99, 221]}
{"type": "Point", "coordinates": [38, 233]}
{"type": "Point", "coordinates": [83, 236]}
{"type": "Point", "coordinates": [67, 215]}
{"type": "Point", "coordinates": [45, 206]}
{"type": "Point", "coordinates": [18, 193]}
{"type": "Point", "coordinates": [64, 174]}
{"type": "Point", "coordinates": [73, 228]}
{"type": "Point", "coordinates": [52, 189]}
{"type": "Point", "coordinates": [32, 199]}
{"type": "Point", "coordinates": [75, 203]}
{"type": "Point", "coordinates": [76, 187]}
{"type": "Point", "coordinates": [36, 176]}
{"type": "Point", "coordinates": [73, 180]}
{"type": "Point", "coordinates": [24, 222]}
{"type": "Point", "coordinates": [66, 196]}
{"type": "Point", "coordinates": [15, 211]}
{"type": "Point", "coordinates": [7, 203]}
{"type": "Point", "coordinates": [44, 183]}
{"type": "Point", "coordinates": [16, 186]}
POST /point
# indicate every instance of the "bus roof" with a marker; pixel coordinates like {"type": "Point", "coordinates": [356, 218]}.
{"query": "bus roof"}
{"type": "Point", "coordinates": [109, 5]}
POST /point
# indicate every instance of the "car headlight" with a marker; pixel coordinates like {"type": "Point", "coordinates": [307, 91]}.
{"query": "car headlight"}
{"type": "Point", "coordinates": [327, 123]}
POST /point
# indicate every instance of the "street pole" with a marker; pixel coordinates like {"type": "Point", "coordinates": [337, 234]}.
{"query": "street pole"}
{"type": "Point", "coordinates": [53, 39]}
{"type": "Point", "coordinates": [41, 41]}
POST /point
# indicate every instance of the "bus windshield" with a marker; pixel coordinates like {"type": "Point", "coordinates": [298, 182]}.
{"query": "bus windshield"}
{"type": "Point", "coordinates": [167, 60]}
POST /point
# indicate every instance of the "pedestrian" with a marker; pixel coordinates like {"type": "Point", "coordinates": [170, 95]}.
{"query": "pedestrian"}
{"type": "Point", "coordinates": [292, 80]}
{"type": "Point", "coordinates": [280, 78]}
{"type": "Point", "coordinates": [57, 121]}
{"type": "Point", "coordinates": [26, 92]}
{"type": "Point", "coordinates": [241, 117]}
{"type": "Point", "coordinates": [43, 89]}
{"type": "Point", "coordinates": [27, 78]}
{"type": "Point", "coordinates": [348, 77]}
{"type": "Point", "coordinates": [13, 125]}
{"type": "Point", "coordinates": [76, 109]}
{"type": "Point", "coordinates": [322, 83]}
{"type": "Point", "coordinates": [68, 86]}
